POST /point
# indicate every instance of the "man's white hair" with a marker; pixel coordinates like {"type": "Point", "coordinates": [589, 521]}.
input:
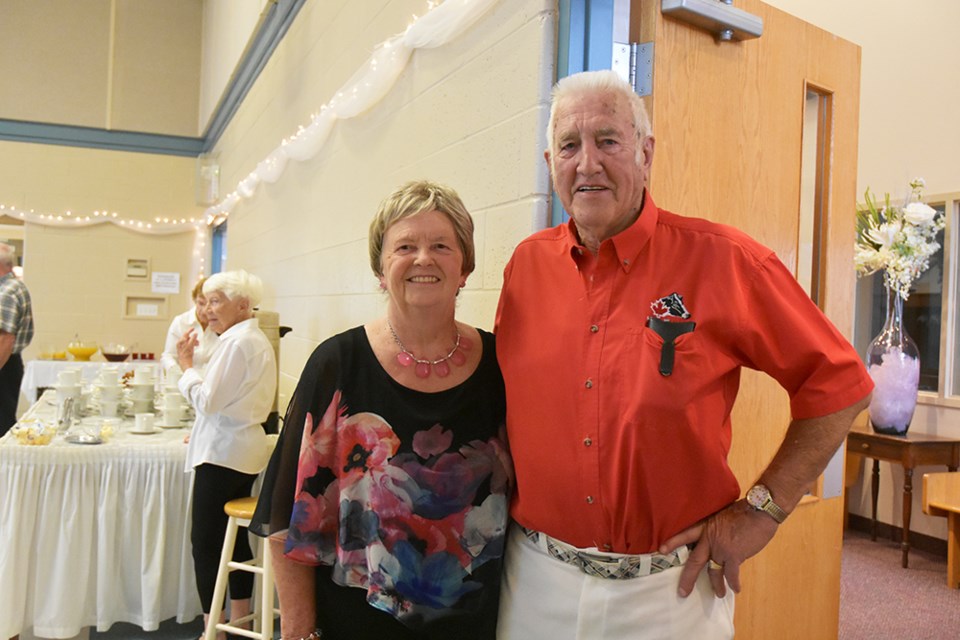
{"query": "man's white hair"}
{"type": "Point", "coordinates": [235, 284]}
{"type": "Point", "coordinates": [8, 254]}
{"type": "Point", "coordinates": [605, 82]}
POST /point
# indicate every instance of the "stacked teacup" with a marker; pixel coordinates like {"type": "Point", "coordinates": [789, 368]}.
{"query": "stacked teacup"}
{"type": "Point", "coordinates": [141, 390]}
{"type": "Point", "coordinates": [110, 390]}
{"type": "Point", "coordinates": [173, 407]}
{"type": "Point", "coordinates": [68, 384]}
{"type": "Point", "coordinates": [68, 396]}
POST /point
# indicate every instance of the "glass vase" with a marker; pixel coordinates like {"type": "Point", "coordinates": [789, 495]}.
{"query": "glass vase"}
{"type": "Point", "coordinates": [893, 362]}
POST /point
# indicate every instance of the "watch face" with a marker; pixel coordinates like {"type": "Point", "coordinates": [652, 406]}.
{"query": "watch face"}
{"type": "Point", "coordinates": [757, 495]}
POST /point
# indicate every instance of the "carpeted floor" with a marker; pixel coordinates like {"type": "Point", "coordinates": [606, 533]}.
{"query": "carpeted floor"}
{"type": "Point", "coordinates": [880, 600]}
{"type": "Point", "coordinates": [169, 630]}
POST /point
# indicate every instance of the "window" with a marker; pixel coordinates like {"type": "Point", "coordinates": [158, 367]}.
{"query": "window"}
{"type": "Point", "coordinates": [218, 248]}
{"type": "Point", "coordinates": [929, 315]}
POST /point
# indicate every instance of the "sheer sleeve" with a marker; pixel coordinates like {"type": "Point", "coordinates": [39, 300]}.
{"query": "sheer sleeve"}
{"type": "Point", "coordinates": [315, 389]}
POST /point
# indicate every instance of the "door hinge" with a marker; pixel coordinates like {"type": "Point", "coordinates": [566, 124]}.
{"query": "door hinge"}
{"type": "Point", "coordinates": [634, 63]}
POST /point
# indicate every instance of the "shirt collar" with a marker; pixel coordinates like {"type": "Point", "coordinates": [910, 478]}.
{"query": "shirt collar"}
{"type": "Point", "coordinates": [628, 243]}
{"type": "Point", "coordinates": [241, 326]}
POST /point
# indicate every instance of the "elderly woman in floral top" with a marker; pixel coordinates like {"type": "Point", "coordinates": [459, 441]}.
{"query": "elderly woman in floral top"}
{"type": "Point", "coordinates": [386, 499]}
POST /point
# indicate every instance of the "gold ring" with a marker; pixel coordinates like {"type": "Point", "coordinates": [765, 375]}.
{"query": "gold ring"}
{"type": "Point", "coordinates": [715, 565]}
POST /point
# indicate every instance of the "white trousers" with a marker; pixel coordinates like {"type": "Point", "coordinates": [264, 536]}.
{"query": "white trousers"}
{"type": "Point", "coordinates": [543, 598]}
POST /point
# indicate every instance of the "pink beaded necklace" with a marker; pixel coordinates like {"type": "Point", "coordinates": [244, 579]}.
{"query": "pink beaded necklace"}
{"type": "Point", "coordinates": [424, 367]}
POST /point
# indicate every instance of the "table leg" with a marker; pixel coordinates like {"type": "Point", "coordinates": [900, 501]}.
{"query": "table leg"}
{"type": "Point", "coordinates": [953, 553]}
{"type": "Point", "coordinates": [874, 493]}
{"type": "Point", "coordinates": [907, 509]}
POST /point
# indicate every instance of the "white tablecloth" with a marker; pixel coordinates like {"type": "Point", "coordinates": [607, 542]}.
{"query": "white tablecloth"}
{"type": "Point", "coordinates": [43, 373]}
{"type": "Point", "coordinates": [94, 534]}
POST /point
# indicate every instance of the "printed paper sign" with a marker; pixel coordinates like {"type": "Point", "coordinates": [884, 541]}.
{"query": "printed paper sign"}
{"type": "Point", "coordinates": [165, 282]}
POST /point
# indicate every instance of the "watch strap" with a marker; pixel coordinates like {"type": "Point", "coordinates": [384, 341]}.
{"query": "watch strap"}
{"type": "Point", "coordinates": [773, 510]}
{"type": "Point", "coordinates": [759, 499]}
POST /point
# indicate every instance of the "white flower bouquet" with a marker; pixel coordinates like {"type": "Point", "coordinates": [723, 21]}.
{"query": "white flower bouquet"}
{"type": "Point", "coordinates": [898, 240]}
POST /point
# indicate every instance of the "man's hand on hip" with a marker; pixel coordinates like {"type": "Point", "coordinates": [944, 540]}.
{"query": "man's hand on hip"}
{"type": "Point", "coordinates": [723, 542]}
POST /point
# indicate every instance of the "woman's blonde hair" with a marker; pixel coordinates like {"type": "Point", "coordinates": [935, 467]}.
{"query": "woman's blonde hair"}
{"type": "Point", "coordinates": [417, 197]}
{"type": "Point", "coordinates": [197, 289]}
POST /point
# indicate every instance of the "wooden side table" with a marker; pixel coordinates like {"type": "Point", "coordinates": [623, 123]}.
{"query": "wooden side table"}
{"type": "Point", "coordinates": [909, 451]}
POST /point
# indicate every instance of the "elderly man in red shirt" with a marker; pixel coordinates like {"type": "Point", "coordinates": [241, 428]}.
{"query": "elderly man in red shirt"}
{"type": "Point", "coordinates": [642, 319]}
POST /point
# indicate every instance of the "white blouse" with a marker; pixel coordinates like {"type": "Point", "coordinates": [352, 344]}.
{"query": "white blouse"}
{"type": "Point", "coordinates": [232, 398]}
{"type": "Point", "coordinates": [208, 340]}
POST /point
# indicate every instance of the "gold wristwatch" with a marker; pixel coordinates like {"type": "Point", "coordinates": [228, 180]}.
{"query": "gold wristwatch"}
{"type": "Point", "coordinates": [759, 498]}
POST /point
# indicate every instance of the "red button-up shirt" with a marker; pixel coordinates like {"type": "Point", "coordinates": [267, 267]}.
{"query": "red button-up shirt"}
{"type": "Point", "coordinates": [609, 452]}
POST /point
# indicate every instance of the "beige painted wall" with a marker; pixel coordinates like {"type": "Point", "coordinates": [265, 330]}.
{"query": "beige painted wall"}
{"type": "Point", "coordinates": [114, 64]}
{"type": "Point", "coordinates": [77, 282]}
{"type": "Point", "coordinates": [227, 28]}
{"type": "Point", "coordinates": [910, 86]}
{"type": "Point", "coordinates": [76, 275]}
{"type": "Point", "coordinates": [470, 113]}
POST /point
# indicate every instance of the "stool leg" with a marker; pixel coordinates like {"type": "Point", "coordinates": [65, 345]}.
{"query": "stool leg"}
{"type": "Point", "coordinates": [223, 571]}
{"type": "Point", "coordinates": [266, 591]}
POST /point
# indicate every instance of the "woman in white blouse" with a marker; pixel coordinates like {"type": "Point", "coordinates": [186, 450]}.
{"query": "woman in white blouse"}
{"type": "Point", "coordinates": [228, 447]}
{"type": "Point", "coordinates": [196, 319]}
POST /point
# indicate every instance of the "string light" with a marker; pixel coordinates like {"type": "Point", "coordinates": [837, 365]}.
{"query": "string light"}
{"type": "Point", "coordinates": [163, 225]}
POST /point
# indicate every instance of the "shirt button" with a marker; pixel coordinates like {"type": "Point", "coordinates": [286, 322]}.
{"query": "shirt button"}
{"type": "Point", "coordinates": [607, 547]}
{"type": "Point", "coordinates": [589, 384]}
{"type": "Point", "coordinates": [594, 328]}
{"type": "Point", "coordinates": [587, 442]}
{"type": "Point", "coordinates": [626, 262]}
{"type": "Point", "coordinates": [589, 499]}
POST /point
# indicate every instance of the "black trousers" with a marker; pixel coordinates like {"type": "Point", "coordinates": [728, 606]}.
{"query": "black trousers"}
{"type": "Point", "coordinates": [213, 487]}
{"type": "Point", "coordinates": [10, 377]}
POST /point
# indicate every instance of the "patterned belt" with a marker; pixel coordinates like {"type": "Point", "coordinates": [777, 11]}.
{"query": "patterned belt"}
{"type": "Point", "coordinates": [609, 567]}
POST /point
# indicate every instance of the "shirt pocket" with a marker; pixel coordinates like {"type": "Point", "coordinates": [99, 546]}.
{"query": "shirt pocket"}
{"type": "Point", "coordinates": [671, 339]}
{"type": "Point", "coordinates": [650, 399]}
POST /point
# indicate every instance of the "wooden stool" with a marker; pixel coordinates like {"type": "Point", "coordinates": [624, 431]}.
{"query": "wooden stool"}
{"type": "Point", "coordinates": [240, 511]}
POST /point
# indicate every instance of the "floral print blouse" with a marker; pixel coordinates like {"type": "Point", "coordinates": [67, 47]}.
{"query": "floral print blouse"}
{"type": "Point", "coordinates": [404, 493]}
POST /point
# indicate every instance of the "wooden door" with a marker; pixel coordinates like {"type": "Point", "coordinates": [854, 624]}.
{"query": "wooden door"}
{"type": "Point", "coordinates": [728, 119]}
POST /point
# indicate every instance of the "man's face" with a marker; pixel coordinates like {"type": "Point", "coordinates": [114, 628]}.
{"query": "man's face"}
{"type": "Point", "coordinates": [595, 170]}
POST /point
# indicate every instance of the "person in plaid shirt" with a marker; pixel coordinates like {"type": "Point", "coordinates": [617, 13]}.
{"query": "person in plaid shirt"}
{"type": "Point", "coordinates": [16, 332]}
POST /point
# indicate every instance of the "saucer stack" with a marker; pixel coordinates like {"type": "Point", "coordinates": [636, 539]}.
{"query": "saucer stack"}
{"type": "Point", "coordinates": [110, 391]}
{"type": "Point", "coordinates": [173, 408]}
{"type": "Point", "coordinates": [142, 390]}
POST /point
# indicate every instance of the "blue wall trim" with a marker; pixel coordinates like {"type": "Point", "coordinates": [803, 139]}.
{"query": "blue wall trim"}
{"type": "Point", "coordinates": [71, 136]}
{"type": "Point", "coordinates": [272, 28]}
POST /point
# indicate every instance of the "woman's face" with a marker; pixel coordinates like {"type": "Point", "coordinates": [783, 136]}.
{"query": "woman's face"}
{"type": "Point", "coordinates": [421, 261]}
{"type": "Point", "coordinates": [201, 305]}
{"type": "Point", "coordinates": [222, 312]}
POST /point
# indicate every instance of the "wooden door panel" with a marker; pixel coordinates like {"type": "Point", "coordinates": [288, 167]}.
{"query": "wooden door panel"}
{"type": "Point", "coordinates": [728, 121]}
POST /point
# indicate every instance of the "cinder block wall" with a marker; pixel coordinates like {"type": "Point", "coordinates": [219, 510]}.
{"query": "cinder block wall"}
{"type": "Point", "coordinates": [470, 114]}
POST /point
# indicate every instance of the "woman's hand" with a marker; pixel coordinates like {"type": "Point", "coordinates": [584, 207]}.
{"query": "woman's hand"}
{"type": "Point", "coordinates": [185, 348]}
